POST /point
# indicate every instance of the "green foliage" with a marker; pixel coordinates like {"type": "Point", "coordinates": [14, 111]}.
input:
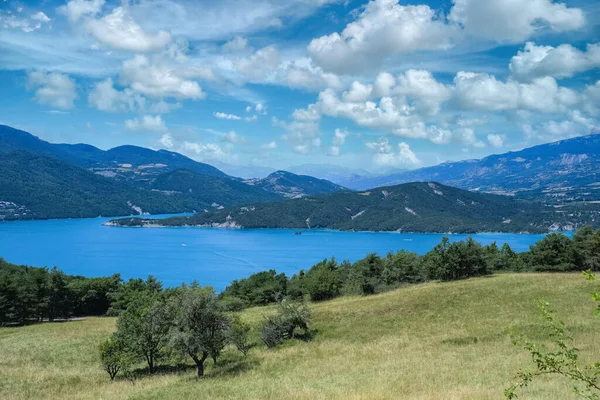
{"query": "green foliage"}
{"type": "Point", "coordinates": [258, 289]}
{"type": "Point", "coordinates": [290, 316]}
{"type": "Point", "coordinates": [459, 260]}
{"type": "Point", "coordinates": [126, 293]}
{"type": "Point", "coordinates": [239, 335]}
{"type": "Point", "coordinates": [114, 357]}
{"type": "Point", "coordinates": [555, 252]}
{"type": "Point", "coordinates": [562, 360]}
{"type": "Point", "coordinates": [143, 328]}
{"type": "Point", "coordinates": [402, 267]}
{"type": "Point", "coordinates": [200, 327]}
{"type": "Point", "coordinates": [322, 281]}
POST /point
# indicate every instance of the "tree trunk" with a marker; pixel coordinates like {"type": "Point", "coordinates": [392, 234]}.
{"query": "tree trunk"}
{"type": "Point", "coordinates": [200, 363]}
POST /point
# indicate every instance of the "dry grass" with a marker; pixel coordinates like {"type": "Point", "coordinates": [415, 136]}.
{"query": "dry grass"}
{"type": "Point", "coordinates": [432, 341]}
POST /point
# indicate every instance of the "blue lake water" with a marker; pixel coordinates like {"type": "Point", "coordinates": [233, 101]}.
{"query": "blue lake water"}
{"type": "Point", "coordinates": [212, 256]}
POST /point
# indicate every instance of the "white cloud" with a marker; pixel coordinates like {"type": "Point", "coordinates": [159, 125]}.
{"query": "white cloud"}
{"type": "Point", "coordinates": [221, 115]}
{"type": "Point", "coordinates": [269, 146]}
{"type": "Point", "coordinates": [260, 109]}
{"type": "Point", "coordinates": [75, 9]}
{"type": "Point", "coordinates": [563, 61]}
{"type": "Point", "coordinates": [259, 65]}
{"type": "Point", "coordinates": [159, 80]}
{"type": "Point", "coordinates": [147, 123]}
{"type": "Point", "coordinates": [53, 89]}
{"type": "Point", "coordinates": [118, 30]}
{"type": "Point", "coordinates": [105, 97]}
{"type": "Point", "coordinates": [9, 20]}
{"type": "Point", "coordinates": [40, 16]}
{"type": "Point", "coordinates": [207, 151]}
{"type": "Point", "coordinates": [339, 138]}
{"type": "Point", "coordinates": [482, 91]}
{"type": "Point", "coordinates": [167, 141]}
{"type": "Point", "coordinates": [385, 156]}
{"type": "Point", "coordinates": [302, 134]}
{"type": "Point", "coordinates": [384, 28]}
{"type": "Point", "coordinates": [496, 140]}
{"type": "Point", "coordinates": [233, 138]}
{"type": "Point", "coordinates": [162, 107]}
{"type": "Point", "coordinates": [236, 45]}
{"type": "Point", "coordinates": [513, 20]}
{"type": "Point", "coordinates": [576, 125]}
{"type": "Point", "coordinates": [302, 75]}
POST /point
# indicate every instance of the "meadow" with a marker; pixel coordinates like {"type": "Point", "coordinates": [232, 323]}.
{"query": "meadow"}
{"type": "Point", "coordinates": [429, 341]}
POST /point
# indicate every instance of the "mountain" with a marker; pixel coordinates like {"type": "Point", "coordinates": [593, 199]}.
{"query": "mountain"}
{"type": "Point", "coordinates": [243, 171]}
{"type": "Point", "coordinates": [412, 207]}
{"type": "Point", "coordinates": [560, 172]}
{"type": "Point", "coordinates": [291, 185]}
{"type": "Point", "coordinates": [125, 163]}
{"type": "Point", "coordinates": [209, 191]}
{"type": "Point", "coordinates": [33, 186]}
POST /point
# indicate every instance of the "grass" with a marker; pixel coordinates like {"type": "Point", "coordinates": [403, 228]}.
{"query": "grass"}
{"type": "Point", "coordinates": [431, 341]}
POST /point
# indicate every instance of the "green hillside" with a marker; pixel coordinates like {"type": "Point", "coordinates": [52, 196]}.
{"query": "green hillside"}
{"type": "Point", "coordinates": [431, 341]}
{"type": "Point", "coordinates": [412, 207]}
{"type": "Point", "coordinates": [40, 187]}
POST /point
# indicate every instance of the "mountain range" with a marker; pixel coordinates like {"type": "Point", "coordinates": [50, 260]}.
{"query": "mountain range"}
{"type": "Point", "coordinates": [40, 180]}
{"type": "Point", "coordinates": [410, 207]}
{"type": "Point", "coordinates": [559, 172]}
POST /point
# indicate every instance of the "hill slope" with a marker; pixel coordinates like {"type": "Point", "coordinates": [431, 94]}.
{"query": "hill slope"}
{"type": "Point", "coordinates": [127, 163]}
{"type": "Point", "coordinates": [209, 191]}
{"type": "Point", "coordinates": [568, 170]}
{"type": "Point", "coordinates": [413, 207]}
{"type": "Point", "coordinates": [39, 187]}
{"type": "Point", "coordinates": [294, 186]}
{"type": "Point", "coordinates": [429, 342]}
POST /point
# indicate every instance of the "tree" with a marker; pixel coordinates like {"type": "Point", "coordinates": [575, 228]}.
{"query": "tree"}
{"type": "Point", "coordinates": [239, 335]}
{"type": "Point", "coordinates": [555, 252]}
{"type": "Point", "coordinates": [258, 289]}
{"type": "Point", "coordinates": [290, 316]}
{"type": "Point", "coordinates": [322, 281]}
{"type": "Point", "coordinates": [200, 327]}
{"type": "Point", "coordinates": [459, 260]}
{"type": "Point", "coordinates": [113, 356]}
{"type": "Point", "coordinates": [128, 292]}
{"type": "Point", "coordinates": [402, 267]}
{"type": "Point", "coordinates": [587, 246]}
{"type": "Point", "coordinates": [58, 301]}
{"type": "Point", "coordinates": [143, 328]}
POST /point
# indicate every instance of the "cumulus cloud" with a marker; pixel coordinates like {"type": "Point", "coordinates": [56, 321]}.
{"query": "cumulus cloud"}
{"type": "Point", "coordinates": [384, 28]}
{"type": "Point", "coordinates": [35, 21]}
{"type": "Point", "coordinates": [384, 154]}
{"type": "Point", "coordinates": [236, 45]}
{"type": "Point", "coordinates": [496, 140]}
{"type": "Point", "coordinates": [159, 80]}
{"type": "Point", "coordinates": [481, 91]}
{"type": "Point", "coordinates": [233, 138]}
{"type": "Point", "coordinates": [119, 31]}
{"type": "Point", "coordinates": [75, 9]}
{"type": "Point", "coordinates": [259, 65]}
{"type": "Point", "coordinates": [576, 125]}
{"type": "Point", "coordinates": [105, 97]}
{"type": "Point", "coordinates": [563, 61]}
{"type": "Point", "coordinates": [514, 20]}
{"type": "Point", "coordinates": [207, 151]}
{"type": "Point", "coordinates": [302, 133]}
{"type": "Point", "coordinates": [339, 138]}
{"type": "Point", "coordinates": [53, 89]}
{"type": "Point", "coordinates": [306, 76]}
{"type": "Point", "coordinates": [221, 115]}
{"type": "Point", "coordinates": [146, 123]}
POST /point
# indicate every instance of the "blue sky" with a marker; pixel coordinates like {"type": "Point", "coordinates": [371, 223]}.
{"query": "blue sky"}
{"type": "Point", "coordinates": [375, 85]}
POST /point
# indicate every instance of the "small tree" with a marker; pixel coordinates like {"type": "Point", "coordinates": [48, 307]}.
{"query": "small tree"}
{"type": "Point", "coordinates": [144, 328]}
{"type": "Point", "coordinates": [200, 327]}
{"type": "Point", "coordinates": [238, 335]}
{"type": "Point", "coordinates": [112, 356]}
{"type": "Point", "coordinates": [290, 316]}
{"type": "Point", "coordinates": [562, 360]}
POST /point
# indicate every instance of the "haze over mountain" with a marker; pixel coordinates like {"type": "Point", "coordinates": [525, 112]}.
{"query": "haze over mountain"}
{"type": "Point", "coordinates": [567, 170]}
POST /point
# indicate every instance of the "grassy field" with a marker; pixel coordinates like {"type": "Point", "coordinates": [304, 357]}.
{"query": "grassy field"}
{"type": "Point", "coordinates": [431, 341]}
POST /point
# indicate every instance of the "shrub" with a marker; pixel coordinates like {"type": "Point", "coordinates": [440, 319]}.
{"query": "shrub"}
{"type": "Point", "coordinates": [112, 356]}
{"type": "Point", "coordinates": [283, 325]}
{"type": "Point", "coordinates": [238, 335]}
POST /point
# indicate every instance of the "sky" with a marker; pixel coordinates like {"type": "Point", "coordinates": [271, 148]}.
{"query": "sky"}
{"type": "Point", "coordinates": [376, 85]}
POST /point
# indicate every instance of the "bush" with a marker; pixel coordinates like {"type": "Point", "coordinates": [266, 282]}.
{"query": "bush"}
{"type": "Point", "coordinates": [322, 281]}
{"type": "Point", "coordinates": [283, 325]}
{"type": "Point", "coordinates": [238, 335]}
{"type": "Point", "coordinates": [233, 304]}
{"type": "Point", "coordinates": [113, 356]}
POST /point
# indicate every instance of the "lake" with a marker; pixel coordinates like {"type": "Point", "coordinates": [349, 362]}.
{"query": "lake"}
{"type": "Point", "coordinates": [212, 256]}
